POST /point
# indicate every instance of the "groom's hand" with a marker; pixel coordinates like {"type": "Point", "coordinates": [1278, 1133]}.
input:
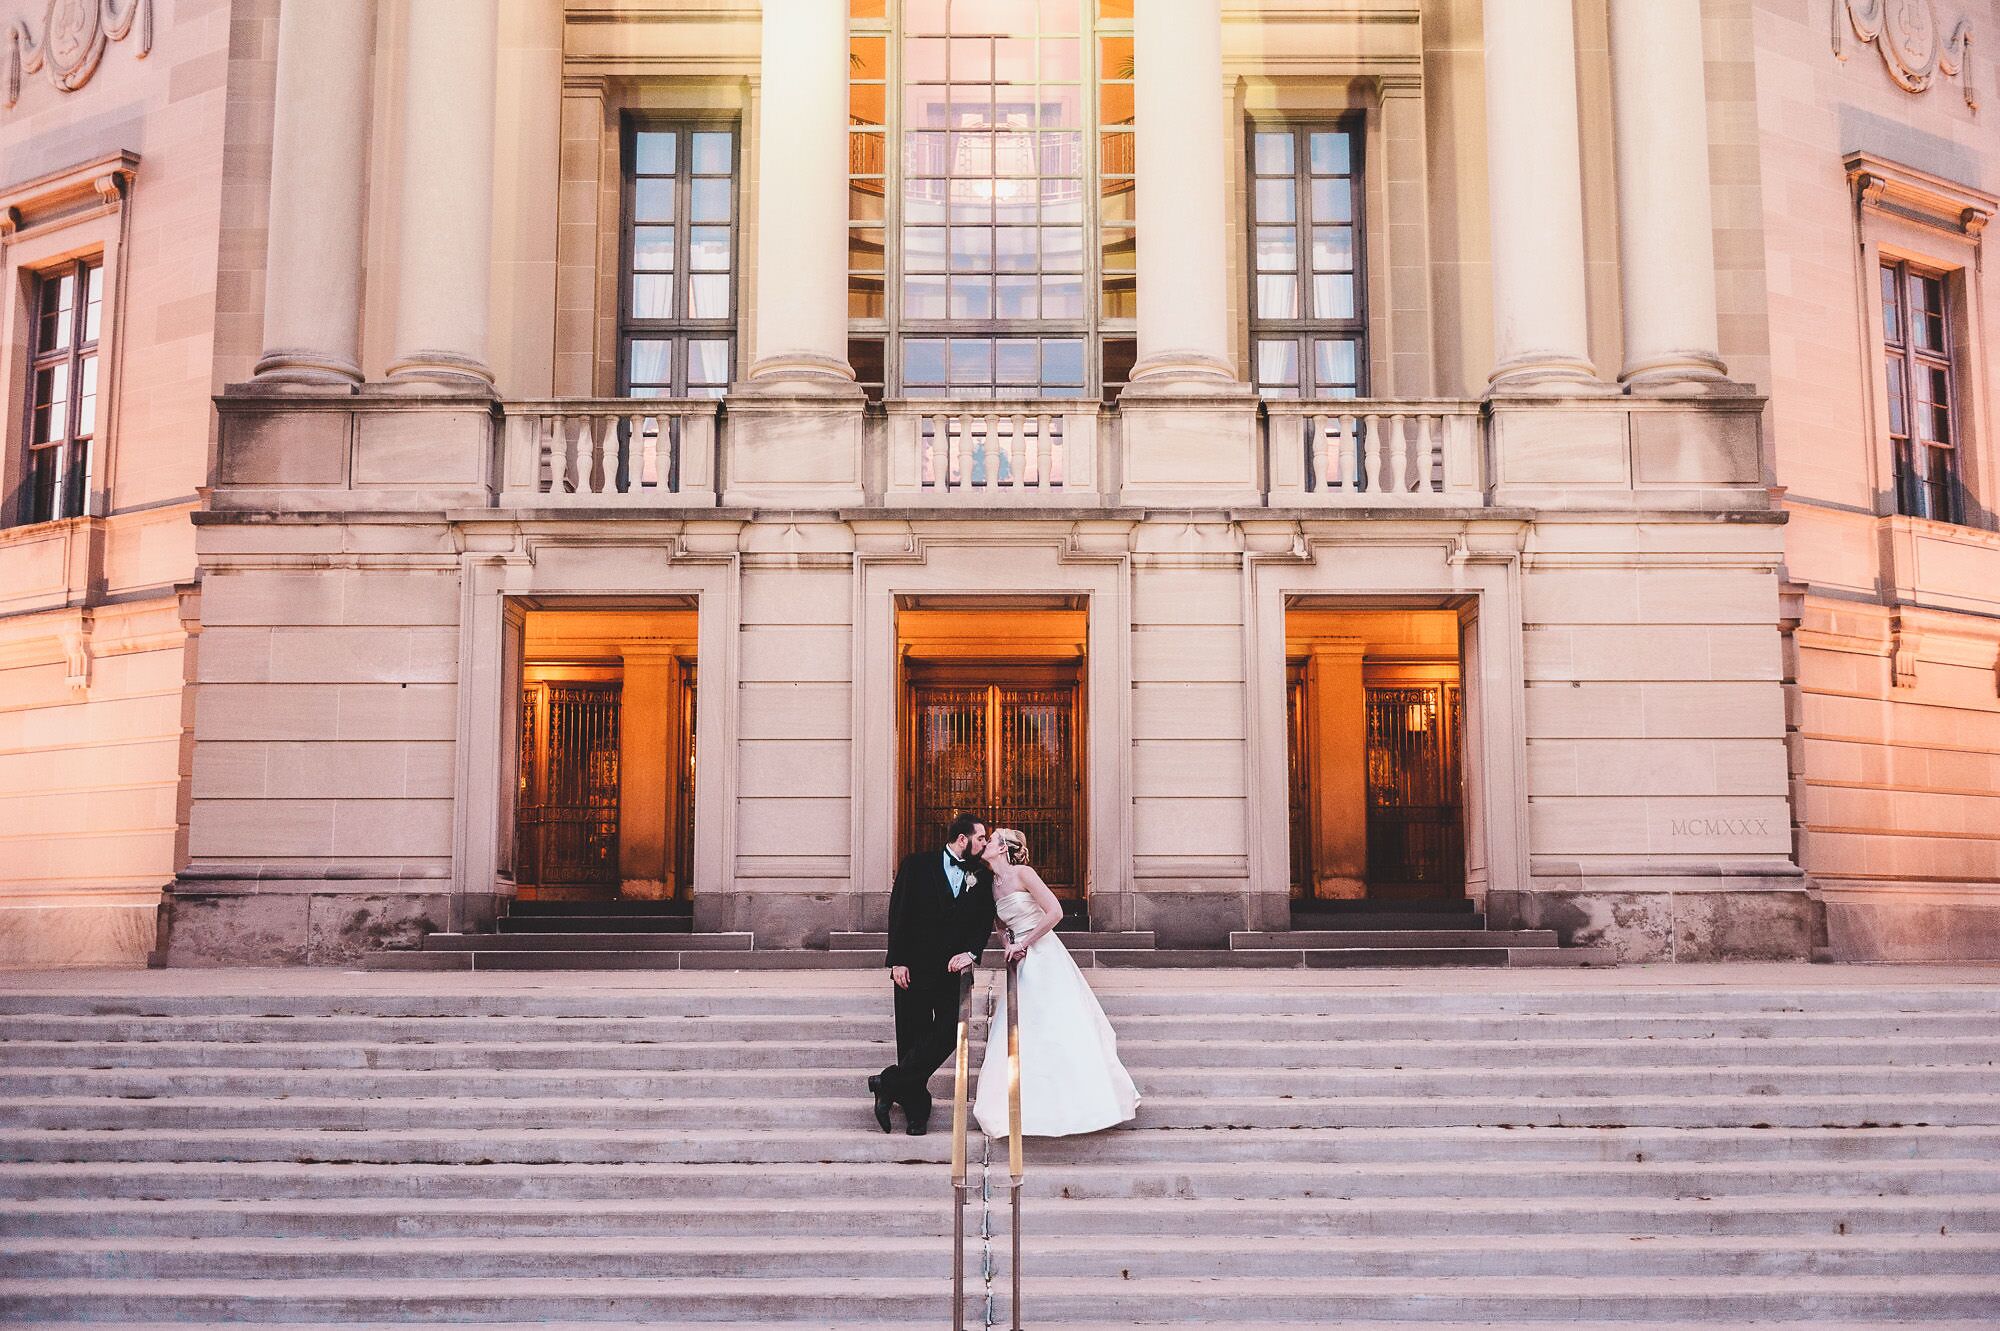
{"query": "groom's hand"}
{"type": "Point", "coordinates": [962, 961]}
{"type": "Point", "coordinates": [900, 975]}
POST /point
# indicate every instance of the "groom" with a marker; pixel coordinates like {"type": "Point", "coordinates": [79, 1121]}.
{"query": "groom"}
{"type": "Point", "coordinates": [940, 914]}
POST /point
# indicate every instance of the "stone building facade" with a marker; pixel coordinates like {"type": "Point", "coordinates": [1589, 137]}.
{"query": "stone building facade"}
{"type": "Point", "coordinates": [682, 450]}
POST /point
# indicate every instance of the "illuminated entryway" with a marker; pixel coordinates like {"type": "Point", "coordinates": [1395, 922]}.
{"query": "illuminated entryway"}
{"type": "Point", "coordinates": [604, 798]}
{"type": "Point", "coordinates": [1375, 755]}
{"type": "Point", "coordinates": [993, 724]}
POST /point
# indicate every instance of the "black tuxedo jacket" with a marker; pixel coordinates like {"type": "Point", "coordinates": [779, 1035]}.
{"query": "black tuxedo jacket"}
{"type": "Point", "coordinates": [927, 925]}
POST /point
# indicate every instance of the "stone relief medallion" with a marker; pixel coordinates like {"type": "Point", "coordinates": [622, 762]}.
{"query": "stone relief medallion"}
{"type": "Point", "coordinates": [72, 41]}
{"type": "Point", "coordinates": [74, 35]}
{"type": "Point", "coordinates": [1915, 47]}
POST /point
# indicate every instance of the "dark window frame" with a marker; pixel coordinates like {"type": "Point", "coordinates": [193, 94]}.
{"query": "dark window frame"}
{"type": "Point", "coordinates": [1304, 329]}
{"type": "Point", "coordinates": [679, 330]}
{"type": "Point", "coordinates": [1927, 472]}
{"type": "Point", "coordinates": [67, 490]}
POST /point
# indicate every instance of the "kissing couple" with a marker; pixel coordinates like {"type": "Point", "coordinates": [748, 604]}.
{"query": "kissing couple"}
{"type": "Point", "coordinates": [941, 912]}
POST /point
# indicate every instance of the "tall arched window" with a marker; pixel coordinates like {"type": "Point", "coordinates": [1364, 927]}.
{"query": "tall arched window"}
{"type": "Point", "coordinates": [992, 247]}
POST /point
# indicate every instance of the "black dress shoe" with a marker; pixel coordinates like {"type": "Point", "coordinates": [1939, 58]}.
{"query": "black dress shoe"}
{"type": "Point", "coordinates": [875, 1083]}
{"type": "Point", "coordinates": [919, 1126]}
{"type": "Point", "coordinates": [882, 1103]}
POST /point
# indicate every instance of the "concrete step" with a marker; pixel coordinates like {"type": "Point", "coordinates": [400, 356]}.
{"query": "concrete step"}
{"type": "Point", "coordinates": [588, 924]}
{"type": "Point", "coordinates": [1104, 1256]}
{"type": "Point", "coordinates": [665, 910]}
{"type": "Point", "coordinates": [1386, 1001]}
{"type": "Point", "coordinates": [709, 1073]}
{"type": "Point", "coordinates": [1047, 1301]}
{"type": "Point", "coordinates": [1389, 919]}
{"type": "Point", "coordinates": [1125, 1176]}
{"type": "Point", "coordinates": [601, 1130]}
{"type": "Point", "coordinates": [634, 952]}
{"type": "Point", "coordinates": [616, 941]}
{"type": "Point", "coordinates": [1427, 939]}
{"type": "Point", "coordinates": [1381, 1217]}
{"type": "Point", "coordinates": [665, 1044]}
{"type": "Point", "coordinates": [1087, 940]}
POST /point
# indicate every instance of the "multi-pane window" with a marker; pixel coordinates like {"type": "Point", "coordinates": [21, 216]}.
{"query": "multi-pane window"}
{"type": "Point", "coordinates": [1307, 312]}
{"type": "Point", "coordinates": [991, 230]}
{"type": "Point", "coordinates": [678, 308]}
{"type": "Point", "coordinates": [63, 378]}
{"type": "Point", "coordinates": [1923, 422]}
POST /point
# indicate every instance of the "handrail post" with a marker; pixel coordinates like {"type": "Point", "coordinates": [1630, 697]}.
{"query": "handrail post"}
{"type": "Point", "coordinates": [1014, 1163]}
{"type": "Point", "coordinates": [958, 1114]}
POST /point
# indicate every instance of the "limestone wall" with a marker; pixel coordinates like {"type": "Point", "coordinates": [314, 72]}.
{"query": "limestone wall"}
{"type": "Point", "coordinates": [1895, 716]}
{"type": "Point", "coordinates": [91, 642]}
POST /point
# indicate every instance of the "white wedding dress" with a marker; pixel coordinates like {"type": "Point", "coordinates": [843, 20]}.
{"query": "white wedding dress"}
{"type": "Point", "coordinates": [1071, 1079]}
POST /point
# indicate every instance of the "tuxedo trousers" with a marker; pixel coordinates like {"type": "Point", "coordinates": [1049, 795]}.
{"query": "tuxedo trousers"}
{"type": "Point", "coordinates": [926, 1036]}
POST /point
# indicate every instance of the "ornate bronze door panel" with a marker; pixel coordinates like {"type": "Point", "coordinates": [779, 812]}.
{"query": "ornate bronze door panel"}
{"type": "Point", "coordinates": [568, 809]}
{"type": "Point", "coordinates": [1416, 834]}
{"type": "Point", "coordinates": [1298, 771]}
{"type": "Point", "coordinates": [684, 792]}
{"type": "Point", "coordinates": [1008, 751]}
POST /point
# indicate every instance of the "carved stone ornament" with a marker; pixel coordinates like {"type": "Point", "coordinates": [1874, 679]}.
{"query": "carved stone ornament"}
{"type": "Point", "coordinates": [1914, 46]}
{"type": "Point", "coordinates": [74, 35]}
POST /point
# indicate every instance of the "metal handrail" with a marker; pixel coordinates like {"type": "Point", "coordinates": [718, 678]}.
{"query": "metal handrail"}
{"type": "Point", "coordinates": [958, 1183]}
{"type": "Point", "coordinates": [1016, 1168]}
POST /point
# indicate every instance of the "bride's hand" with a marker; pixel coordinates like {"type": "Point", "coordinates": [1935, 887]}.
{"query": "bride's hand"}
{"type": "Point", "coordinates": [1015, 951]}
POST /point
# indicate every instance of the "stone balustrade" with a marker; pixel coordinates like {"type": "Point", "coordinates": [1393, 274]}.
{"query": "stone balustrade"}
{"type": "Point", "coordinates": [1031, 452]}
{"type": "Point", "coordinates": [605, 452]}
{"type": "Point", "coordinates": [1377, 452]}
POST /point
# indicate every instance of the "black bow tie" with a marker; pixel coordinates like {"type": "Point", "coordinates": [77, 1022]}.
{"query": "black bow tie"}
{"type": "Point", "coordinates": [954, 859]}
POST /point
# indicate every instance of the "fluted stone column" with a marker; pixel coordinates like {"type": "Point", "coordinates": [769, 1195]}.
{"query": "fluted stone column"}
{"type": "Point", "coordinates": [1184, 328]}
{"type": "Point", "coordinates": [1665, 224]}
{"type": "Point", "coordinates": [444, 278]}
{"type": "Point", "coordinates": [319, 152]}
{"type": "Point", "coordinates": [801, 333]}
{"type": "Point", "coordinates": [1541, 333]}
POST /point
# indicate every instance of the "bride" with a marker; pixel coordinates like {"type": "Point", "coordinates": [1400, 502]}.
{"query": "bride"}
{"type": "Point", "coordinates": [1071, 1079]}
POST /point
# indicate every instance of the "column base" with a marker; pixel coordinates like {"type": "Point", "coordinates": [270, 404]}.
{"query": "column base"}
{"type": "Point", "coordinates": [1547, 375]}
{"type": "Point", "coordinates": [1170, 372]}
{"type": "Point", "coordinates": [800, 374]}
{"type": "Point", "coordinates": [1682, 374]}
{"type": "Point", "coordinates": [306, 368]}
{"type": "Point", "coordinates": [430, 370]}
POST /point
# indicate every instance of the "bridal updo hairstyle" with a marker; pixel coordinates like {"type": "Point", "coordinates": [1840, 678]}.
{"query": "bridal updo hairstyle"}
{"type": "Point", "coordinates": [1016, 844]}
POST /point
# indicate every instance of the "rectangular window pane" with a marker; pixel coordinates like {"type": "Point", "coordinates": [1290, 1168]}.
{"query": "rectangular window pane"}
{"type": "Point", "coordinates": [1335, 363]}
{"type": "Point", "coordinates": [86, 405]}
{"type": "Point", "coordinates": [1015, 297]}
{"type": "Point", "coordinates": [651, 361]}
{"type": "Point", "coordinates": [94, 315]}
{"type": "Point", "coordinates": [1927, 313]}
{"type": "Point", "coordinates": [1062, 298]}
{"type": "Point", "coordinates": [652, 295]}
{"type": "Point", "coordinates": [653, 248]}
{"type": "Point", "coordinates": [1062, 362]}
{"type": "Point", "coordinates": [1276, 201]}
{"type": "Point", "coordinates": [1277, 296]}
{"type": "Point", "coordinates": [1330, 155]}
{"type": "Point", "coordinates": [708, 362]}
{"type": "Point", "coordinates": [971, 298]}
{"type": "Point", "coordinates": [708, 296]}
{"type": "Point", "coordinates": [1278, 363]}
{"type": "Point", "coordinates": [1016, 362]}
{"type": "Point", "coordinates": [1277, 249]}
{"type": "Point", "coordinates": [709, 200]}
{"type": "Point", "coordinates": [1273, 153]}
{"type": "Point", "coordinates": [1892, 324]}
{"type": "Point", "coordinates": [971, 360]}
{"type": "Point", "coordinates": [708, 249]}
{"type": "Point", "coordinates": [923, 297]}
{"type": "Point", "coordinates": [1333, 296]}
{"type": "Point", "coordinates": [1333, 249]}
{"type": "Point", "coordinates": [1898, 423]}
{"type": "Point", "coordinates": [1333, 200]}
{"type": "Point", "coordinates": [923, 361]}
{"type": "Point", "coordinates": [654, 152]}
{"type": "Point", "coordinates": [653, 200]}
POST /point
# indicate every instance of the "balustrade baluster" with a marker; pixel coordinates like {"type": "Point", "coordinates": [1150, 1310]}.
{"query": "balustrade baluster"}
{"type": "Point", "coordinates": [954, 474]}
{"type": "Point", "coordinates": [1371, 445]}
{"type": "Point", "coordinates": [1320, 452]}
{"type": "Point", "coordinates": [927, 451]}
{"type": "Point", "coordinates": [1398, 459]}
{"type": "Point", "coordinates": [646, 474]}
{"type": "Point", "coordinates": [1052, 427]}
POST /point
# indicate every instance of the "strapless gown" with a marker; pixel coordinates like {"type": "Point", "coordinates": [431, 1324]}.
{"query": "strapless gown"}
{"type": "Point", "coordinates": [1071, 1079]}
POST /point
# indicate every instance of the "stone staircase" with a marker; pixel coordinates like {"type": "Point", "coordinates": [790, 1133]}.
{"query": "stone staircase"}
{"type": "Point", "coordinates": [1642, 1150]}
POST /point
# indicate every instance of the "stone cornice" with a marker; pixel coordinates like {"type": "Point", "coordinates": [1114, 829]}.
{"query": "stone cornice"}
{"type": "Point", "coordinates": [1918, 196]}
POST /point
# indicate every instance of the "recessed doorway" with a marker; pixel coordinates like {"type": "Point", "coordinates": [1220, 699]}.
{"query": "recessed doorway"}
{"type": "Point", "coordinates": [1375, 751]}
{"type": "Point", "coordinates": [605, 781]}
{"type": "Point", "coordinates": [992, 711]}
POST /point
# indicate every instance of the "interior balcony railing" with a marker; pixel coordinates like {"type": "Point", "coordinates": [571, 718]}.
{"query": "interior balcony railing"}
{"type": "Point", "coordinates": [1378, 452]}
{"type": "Point", "coordinates": [649, 453]}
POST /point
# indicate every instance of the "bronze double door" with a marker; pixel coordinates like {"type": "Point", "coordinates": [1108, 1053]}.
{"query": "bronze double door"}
{"type": "Point", "coordinates": [566, 813]}
{"type": "Point", "coordinates": [1415, 787]}
{"type": "Point", "coordinates": [1003, 742]}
